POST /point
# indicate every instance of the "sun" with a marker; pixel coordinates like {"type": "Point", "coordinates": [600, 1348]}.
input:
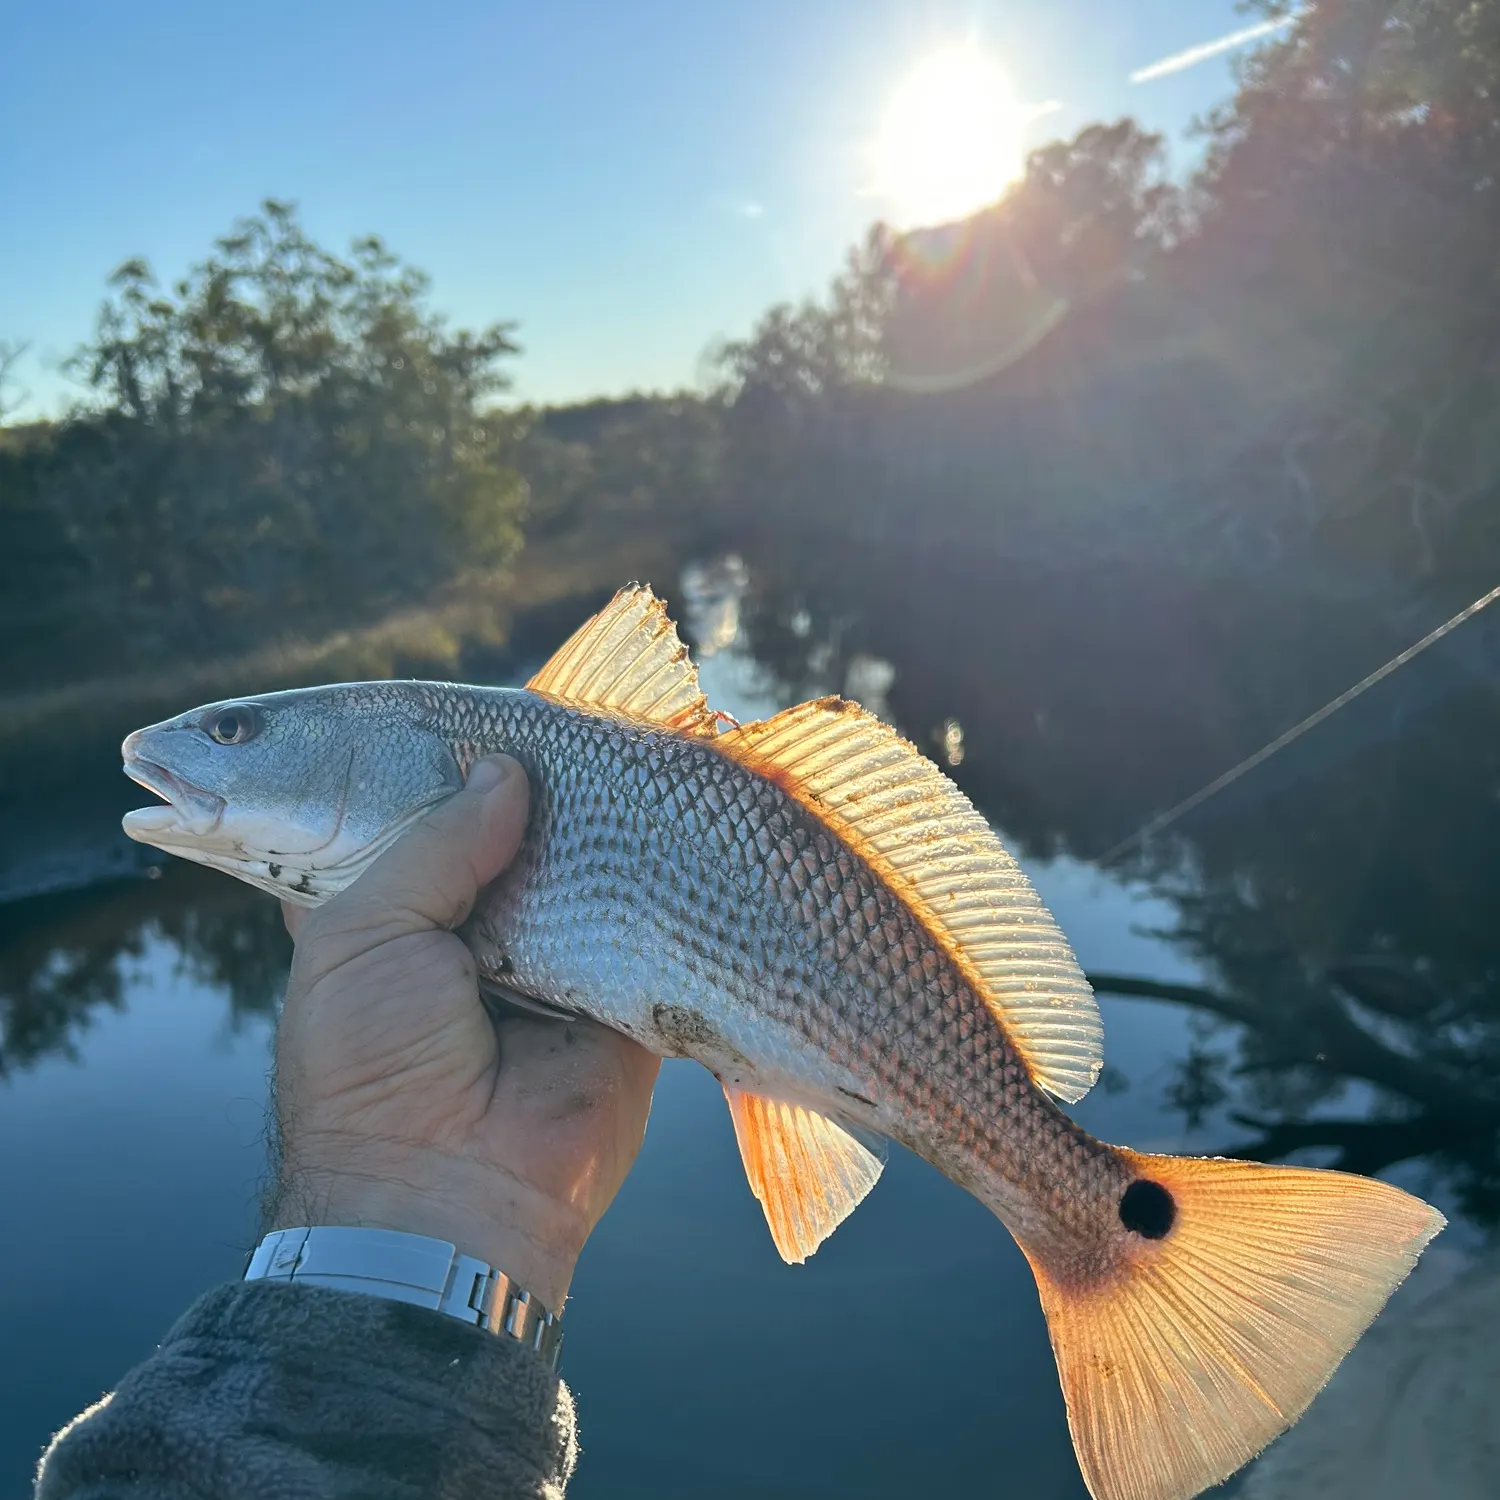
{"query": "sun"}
{"type": "Point", "coordinates": [952, 139]}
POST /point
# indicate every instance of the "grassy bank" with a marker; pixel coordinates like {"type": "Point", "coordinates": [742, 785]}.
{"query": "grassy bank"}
{"type": "Point", "coordinates": [72, 730]}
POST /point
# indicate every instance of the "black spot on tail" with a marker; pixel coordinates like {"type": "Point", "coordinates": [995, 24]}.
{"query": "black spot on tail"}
{"type": "Point", "coordinates": [1147, 1209]}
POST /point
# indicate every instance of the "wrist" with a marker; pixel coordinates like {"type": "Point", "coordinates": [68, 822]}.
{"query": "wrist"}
{"type": "Point", "coordinates": [486, 1212]}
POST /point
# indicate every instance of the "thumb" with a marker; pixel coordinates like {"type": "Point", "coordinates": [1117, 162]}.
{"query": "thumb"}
{"type": "Point", "coordinates": [429, 877]}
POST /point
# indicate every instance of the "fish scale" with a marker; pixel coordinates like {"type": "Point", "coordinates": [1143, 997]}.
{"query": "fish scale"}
{"type": "Point", "coordinates": [820, 962]}
{"type": "Point", "coordinates": [814, 912]}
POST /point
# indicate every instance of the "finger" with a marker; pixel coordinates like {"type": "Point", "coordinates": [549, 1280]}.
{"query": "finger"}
{"type": "Point", "coordinates": [429, 877]}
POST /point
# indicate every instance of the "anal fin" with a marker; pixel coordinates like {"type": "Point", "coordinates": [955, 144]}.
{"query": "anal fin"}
{"type": "Point", "coordinates": [808, 1173]}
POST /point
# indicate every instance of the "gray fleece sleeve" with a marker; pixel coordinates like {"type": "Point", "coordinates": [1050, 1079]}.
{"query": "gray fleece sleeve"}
{"type": "Point", "coordinates": [307, 1394]}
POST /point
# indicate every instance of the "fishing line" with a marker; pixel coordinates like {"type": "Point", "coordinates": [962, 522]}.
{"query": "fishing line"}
{"type": "Point", "coordinates": [1172, 814]}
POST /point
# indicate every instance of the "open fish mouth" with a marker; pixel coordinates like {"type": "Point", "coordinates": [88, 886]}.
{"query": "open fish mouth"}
{"type": "Point", "coordinates": [189, 809]}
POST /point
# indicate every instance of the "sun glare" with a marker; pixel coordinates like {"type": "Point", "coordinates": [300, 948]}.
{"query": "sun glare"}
{"type": "Point", "coordinates": [952, 139]}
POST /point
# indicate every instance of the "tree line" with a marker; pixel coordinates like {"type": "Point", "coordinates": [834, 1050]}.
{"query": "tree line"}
{"type": "Point", "coordinates": [1285, 366]}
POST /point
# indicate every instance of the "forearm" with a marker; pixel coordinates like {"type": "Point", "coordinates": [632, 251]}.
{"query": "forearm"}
{"type": "Point", "coordinates": [265, 1389]}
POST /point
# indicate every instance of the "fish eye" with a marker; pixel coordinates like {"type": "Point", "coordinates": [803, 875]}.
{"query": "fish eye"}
{"type": "Point", "coordinates": [231, 726]}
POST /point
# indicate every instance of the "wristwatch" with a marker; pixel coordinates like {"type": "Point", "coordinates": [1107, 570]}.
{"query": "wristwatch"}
{"type": "Point", "coordinates": [409, 1268]}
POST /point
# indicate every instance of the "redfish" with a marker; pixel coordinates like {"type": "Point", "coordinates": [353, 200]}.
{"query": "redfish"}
{"type": "Point", "coordinates": [811, 910]}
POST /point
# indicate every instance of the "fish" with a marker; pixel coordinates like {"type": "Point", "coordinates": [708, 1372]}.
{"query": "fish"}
{"type": "Point", "coordinates": [813, 911]}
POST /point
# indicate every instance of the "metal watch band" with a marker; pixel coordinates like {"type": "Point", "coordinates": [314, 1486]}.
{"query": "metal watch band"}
{"type": "Point", "coordinates": [409, 1268]}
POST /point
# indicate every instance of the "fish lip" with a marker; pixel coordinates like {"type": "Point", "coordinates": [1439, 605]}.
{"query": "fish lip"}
{"type": "Point", "coordinates": [201, 811]}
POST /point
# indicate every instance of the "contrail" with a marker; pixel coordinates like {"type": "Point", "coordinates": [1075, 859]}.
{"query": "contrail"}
{"type": "Point", "coordinates": [1178, 61]}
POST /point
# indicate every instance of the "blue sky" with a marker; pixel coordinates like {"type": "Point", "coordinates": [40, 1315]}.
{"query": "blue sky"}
{"type": "Point", "coordinates": [628, 181]}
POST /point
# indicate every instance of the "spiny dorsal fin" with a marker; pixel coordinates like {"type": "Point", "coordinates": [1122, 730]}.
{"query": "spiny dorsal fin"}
{"type": "Point", "coordinates": [898, 811]}
{"type": "Point", "coordinates": [628, 660]}
{"type": "Point", "coordinates": [808, 1173]}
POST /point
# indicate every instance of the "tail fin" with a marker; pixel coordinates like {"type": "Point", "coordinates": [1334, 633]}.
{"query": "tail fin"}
{"type": "Point", "coordinates": [1227, 1310]}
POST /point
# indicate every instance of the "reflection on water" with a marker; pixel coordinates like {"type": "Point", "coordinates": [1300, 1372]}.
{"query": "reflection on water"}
{"type": "Point", "coordinates": [130, 1170]}
{"type": "Point", "coordinates": [1309, 971]}
{"type": "Point", "coordinates": [1338, 903]}
{"type": "Point", "coordinates": [63, 960]}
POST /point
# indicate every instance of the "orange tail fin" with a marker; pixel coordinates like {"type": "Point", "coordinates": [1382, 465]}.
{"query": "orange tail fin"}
{"type": "Point", "coordinates": [1237, 1290]}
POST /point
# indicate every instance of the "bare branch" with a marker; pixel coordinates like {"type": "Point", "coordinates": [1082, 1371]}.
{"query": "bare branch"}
{"type": "Point", "coordinates": [1364, 1146]}
{"type": "Point", "coordinates": [1326, 1039]}
{"type": "Point", "coordinates": [10, 356]}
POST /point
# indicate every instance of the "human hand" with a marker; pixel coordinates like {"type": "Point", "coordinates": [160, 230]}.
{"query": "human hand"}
{"type": "Point", "coordinates": [402, 1105]}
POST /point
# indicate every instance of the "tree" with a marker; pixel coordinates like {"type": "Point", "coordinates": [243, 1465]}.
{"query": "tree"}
{"type": "Point", "coordinates": [643, 461]}
{"type": "Point", "coordinates": [284, 439]}
{"type": "Point", "coordinates": [1408, 89]}
{"type": "Point", "coordinates": [971, 299]}
{"type": "Point", "coordinates": [10, 356]}
{"type": "Point", "coordinates": [798, 354]}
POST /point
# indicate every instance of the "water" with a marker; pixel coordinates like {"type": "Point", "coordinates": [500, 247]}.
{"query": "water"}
{"type": "Point", "coordinates": [909, 1356]}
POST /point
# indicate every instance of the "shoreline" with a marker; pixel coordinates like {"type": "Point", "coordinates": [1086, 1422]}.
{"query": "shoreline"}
{"type": "Point", "coordinates": [61, 743]}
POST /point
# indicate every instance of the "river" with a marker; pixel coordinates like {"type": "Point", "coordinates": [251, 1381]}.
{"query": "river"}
{"type": "Point", "coordinates": [908, 1357]}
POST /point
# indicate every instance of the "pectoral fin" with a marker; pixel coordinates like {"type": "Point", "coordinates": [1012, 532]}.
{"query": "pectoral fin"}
{"type": "Point", "coordinates": [501, 1000]}
{"type": "Point", "coordinates": [808, 1173]}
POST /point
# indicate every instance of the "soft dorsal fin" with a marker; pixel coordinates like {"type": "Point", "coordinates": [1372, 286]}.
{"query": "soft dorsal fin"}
{"type": "Point", "coordinates": [628, 660]}
{"type": "Point", "coordinates": [808, 1173]}
{"type": "Point", "coordinates": [899, 812]}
